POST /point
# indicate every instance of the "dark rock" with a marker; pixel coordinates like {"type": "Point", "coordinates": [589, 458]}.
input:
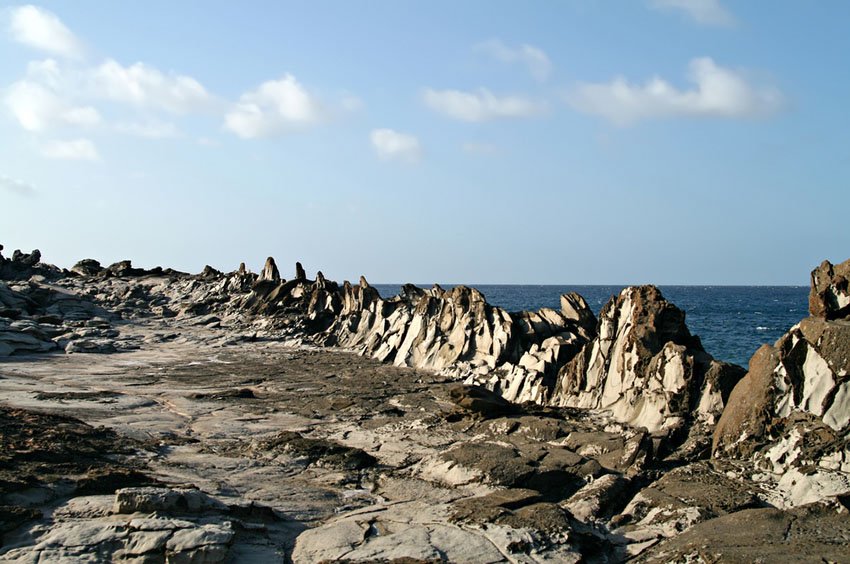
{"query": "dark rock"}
{"type": "Point", "coordinates": [209, 273]}
{"type": "Point", "coordinates": [829, 297]}
{"type": "Point", "coordinates": [123, 268]}
{"type": "Point", "coordinates": [299, 272]}
{"type": "Point", "coordinates": [318, 451]}
{"type": "Point", "coordinates": [491, 507]}
{"type": "Point", "coordinates": [498, 465]}
{"type": "Point", "coordinates": [87, 267]}
{"type": "Point", "coordinates": [26, 260]}
{"type": "Point", "coordinates": [814, 533]}
{"type": "Point", "coordinates": [481, 401]}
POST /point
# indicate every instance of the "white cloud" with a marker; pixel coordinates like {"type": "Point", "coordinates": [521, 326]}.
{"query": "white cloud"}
{"type": "Point", "coordinates": [18, 187]}
{"type": "Point", "coordinates": [703, 12]}
{"type": "Point", "coordinates": [149, 129]}
{"type": "Point", "coordinates": [480, 106]}
{"type": "Point", "coordinates": [534, 59]}
{"type": "Point", "coordinates": [146, 86]}
{"type": "Point", "coordinates": [718, 92]}
{"type": "Point", "coordinates": [76, 149]}
{"type": "Point", "coordinates": [392, 145]}
{"type": "Point", "coordinates": [37, 108]}
{"type": "Point", "coordinates": [41, 29]}
{"type": "Point", "coordinates": [275, 107]}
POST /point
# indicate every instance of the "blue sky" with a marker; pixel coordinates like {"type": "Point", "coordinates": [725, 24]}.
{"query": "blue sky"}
{"type": "Point", "coordinates": [577, 142]}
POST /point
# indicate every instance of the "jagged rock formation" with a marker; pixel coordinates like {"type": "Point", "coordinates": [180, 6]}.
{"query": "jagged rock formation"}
{"type": "Point", "coordinates": [645, 367]}
{"type": "Point", "coordinates": [791, 413]}
{"type": "Point", "coordinates": [529, 436]}
{"type": "Point", "coordinates": [830, 294]}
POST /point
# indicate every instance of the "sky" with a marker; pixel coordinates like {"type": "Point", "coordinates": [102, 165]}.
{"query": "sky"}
{"type": "Point", "coordinates": [573, 142]}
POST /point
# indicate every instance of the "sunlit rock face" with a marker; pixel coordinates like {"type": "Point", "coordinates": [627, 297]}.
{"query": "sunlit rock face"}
{"type": "Point", "coordinates": [791, 413]}
{"type": "Point", "coordinates": [644, 367]}
{"type": "Point", "coordinates": [829, 297]}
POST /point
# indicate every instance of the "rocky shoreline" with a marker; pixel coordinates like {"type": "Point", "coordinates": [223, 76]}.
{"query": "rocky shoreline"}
{"type": "Point", "coordinates": [154, 415]}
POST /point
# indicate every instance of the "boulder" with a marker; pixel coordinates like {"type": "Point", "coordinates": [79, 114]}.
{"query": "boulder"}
{"type": "Point", "coordinates": [815, 533]}
{"type": "Point", "coordinates": [805, 372]}
{"type": "Point", "coordinates": [26, 260]}
{"type": "Point", "coordinates": [87, 267]}
{"type": "Point", "coordinates": [299, 272]}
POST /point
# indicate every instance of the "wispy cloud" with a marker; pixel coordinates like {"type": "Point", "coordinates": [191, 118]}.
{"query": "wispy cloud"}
{"type": "Point", "coordinates": [703, 12]}
{"type": "Point", "coordinates": [17, 187]}
{"type": "Point", "coordinates": [37, 107]}
{"type": "Point", "coordinates": [482, 105]}
{"type": "Point", "coordinates": [392, 145]}
{"type": "Point", "coordinates": [717, 92]}
{"type": "Point", "coordinates": [41, 29]}
{"type": "Point", "coordinates": [275, 107]}
{"type": "Point", "coordinates": [75, 149]}
{"type": "Point", "coordinates": [533, 58]}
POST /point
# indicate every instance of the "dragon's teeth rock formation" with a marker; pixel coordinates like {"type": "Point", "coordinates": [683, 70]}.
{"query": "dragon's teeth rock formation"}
{"type": "Point", "coordinates": [270, 271]}
{"type": "Point", "coordinates": [645, 368]}
{"type": "Point", "coordinates": [791, 413]}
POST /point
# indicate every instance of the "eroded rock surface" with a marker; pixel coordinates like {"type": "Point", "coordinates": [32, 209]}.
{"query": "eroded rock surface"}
{"type": "Point", "coordinates": [790, 415]}
{"type": "Point", "coordinates": [458, 432]}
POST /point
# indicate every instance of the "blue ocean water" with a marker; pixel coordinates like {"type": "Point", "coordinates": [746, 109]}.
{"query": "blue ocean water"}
{"type": "Point", "coordinates": [732, 321]}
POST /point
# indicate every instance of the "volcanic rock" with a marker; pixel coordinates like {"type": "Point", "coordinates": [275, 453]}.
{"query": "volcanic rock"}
{"type": "Point", "coordinates": [829, 297]}
{"type": "Point", "coordinates": [87, 267]}
{"type": "Point", "coordinates": [270, 271]}
{"type": "Point", "coordinates": [644, 367]}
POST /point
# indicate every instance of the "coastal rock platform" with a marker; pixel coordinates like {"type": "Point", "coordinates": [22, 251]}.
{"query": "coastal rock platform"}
{"type": "Point", "coordinates": [248, 418]}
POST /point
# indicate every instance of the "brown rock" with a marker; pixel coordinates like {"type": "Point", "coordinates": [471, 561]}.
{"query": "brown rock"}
{"type": "Point", "coordinates": [270, 271]}
{"type": "Point", "coordinates": [829, 297]}
{"type": "Point", "coordinates": [748, 411]}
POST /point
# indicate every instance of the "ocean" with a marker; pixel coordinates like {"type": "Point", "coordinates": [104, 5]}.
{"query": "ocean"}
{"type": "Point", "coordinates": [731, 321]}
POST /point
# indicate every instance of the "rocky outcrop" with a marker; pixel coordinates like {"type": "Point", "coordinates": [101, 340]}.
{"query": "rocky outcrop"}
{"type": "Point", "coordinates": [638, 362]}
{"type": "Point", "coordinates": [87, 267]}
{"type": "Point", "coordinates": [791, 413]}
{"type": "Point", "coordinates": [23, 265]}
{"type": "Point", "coordinates": [645, 367]}
{"type": "Point", "coordinates": [829, 297]}
{"type": "Point", "coordinates": [270, 272]}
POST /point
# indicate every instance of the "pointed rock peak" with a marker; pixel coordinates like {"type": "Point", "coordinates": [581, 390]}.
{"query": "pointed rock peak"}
{"type": "Point", "coordinates": [299, 272]}
{"type": "Point", "coordinates": [209, 272]}
{"type": "Point", "coordinates": [346, 285]}
{"type": "Point", "coordinates": [363, 282]}
{"type": "Point", "coordinates": [242, 270]}
{"type": "Point", "coordinates": [320, 279]}
{"type": "Point", "coordinates": [574, 306]}
{"type": "Point", "coordinates": [270, 271]}
{"type": "Point", "coordinates": [829, 297]}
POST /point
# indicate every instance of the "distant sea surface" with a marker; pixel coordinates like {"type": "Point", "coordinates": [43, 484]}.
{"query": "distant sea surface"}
{"type": "Point", "coordinates": [732, 321]}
